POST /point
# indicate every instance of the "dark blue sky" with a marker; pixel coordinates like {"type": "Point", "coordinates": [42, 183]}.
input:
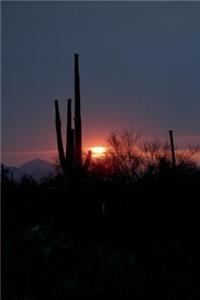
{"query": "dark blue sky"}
{"type": "Point", "coordinates": [139, 67]}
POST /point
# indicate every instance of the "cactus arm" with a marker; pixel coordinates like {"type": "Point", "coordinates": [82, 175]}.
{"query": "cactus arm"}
{"type": "Point", "coordinates": [88, 160]}
{"type": "Point", "coordinates": [59, 136]}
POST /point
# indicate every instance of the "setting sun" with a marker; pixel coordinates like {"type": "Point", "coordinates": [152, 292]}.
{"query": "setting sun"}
{"type": "Point", "coordinates": [98, 151]}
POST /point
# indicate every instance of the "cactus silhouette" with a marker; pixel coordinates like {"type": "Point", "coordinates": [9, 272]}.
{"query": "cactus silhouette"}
{"type": "Point", "coordinates": [77, 119]}
{"type": "Point", "coordinates": [72, 157]}
{"type": "Point", "coordinates": [59, 136]}
{"type": "Point", "coordinates": [172, 149]}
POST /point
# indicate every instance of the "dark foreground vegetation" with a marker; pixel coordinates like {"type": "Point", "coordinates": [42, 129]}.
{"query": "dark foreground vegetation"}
{"type": "Point", "coordinates": [128, 229]}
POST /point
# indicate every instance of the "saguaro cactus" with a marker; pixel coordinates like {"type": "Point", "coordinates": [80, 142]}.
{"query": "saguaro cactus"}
{"type": "Point", "coordinates": [172, 149]}
{"type": "Point", "coordinates": [72, 158]}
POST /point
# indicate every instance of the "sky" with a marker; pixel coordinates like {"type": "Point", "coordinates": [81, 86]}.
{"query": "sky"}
{"type": "Point", "coordinates": [139, 70]}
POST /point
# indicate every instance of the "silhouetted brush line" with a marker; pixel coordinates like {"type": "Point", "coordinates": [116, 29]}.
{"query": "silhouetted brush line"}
{"type": "Point", "coordinates": [144, 244]}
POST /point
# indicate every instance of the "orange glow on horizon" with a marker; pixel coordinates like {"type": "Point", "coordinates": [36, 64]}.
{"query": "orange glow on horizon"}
{"type": "Point", "coordinates": [98, 151]}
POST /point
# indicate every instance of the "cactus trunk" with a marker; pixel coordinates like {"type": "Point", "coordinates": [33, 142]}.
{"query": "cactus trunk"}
{"type": "Point", "coordinates": [78, 133]}
{"type": "Point", "coordinates": [70, 135]}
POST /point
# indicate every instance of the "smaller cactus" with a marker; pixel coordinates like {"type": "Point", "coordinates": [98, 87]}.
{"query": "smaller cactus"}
{"type": "Point", "coordinates": [172, 149]}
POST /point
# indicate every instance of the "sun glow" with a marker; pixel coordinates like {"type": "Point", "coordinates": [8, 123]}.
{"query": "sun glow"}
{"type": "Point", "coordinates": [98, 151]}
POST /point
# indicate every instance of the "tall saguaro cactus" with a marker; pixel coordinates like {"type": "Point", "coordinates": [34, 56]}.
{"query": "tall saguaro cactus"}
{"type": "Point", "coordinates": [77, 120]}
{"type": "Point", "coordinates": [72, 158]}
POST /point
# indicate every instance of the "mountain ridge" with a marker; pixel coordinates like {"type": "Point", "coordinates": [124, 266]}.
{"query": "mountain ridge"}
{"type": "Point", "coordinates": [36, 168]}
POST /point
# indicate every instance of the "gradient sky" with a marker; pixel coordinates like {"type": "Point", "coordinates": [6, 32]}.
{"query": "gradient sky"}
{"type": "Point", "coordinates": [139, 68]}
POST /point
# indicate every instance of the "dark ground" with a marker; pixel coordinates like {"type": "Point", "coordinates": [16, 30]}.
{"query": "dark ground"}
{"type": "Point", "coordinates": [102, 238]}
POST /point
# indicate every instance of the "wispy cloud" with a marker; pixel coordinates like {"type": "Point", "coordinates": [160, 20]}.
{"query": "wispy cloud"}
{"type": "Point", "coordinates": [32, 152]}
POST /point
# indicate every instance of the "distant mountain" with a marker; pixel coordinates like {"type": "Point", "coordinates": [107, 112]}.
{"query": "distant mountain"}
{"type": "Point", "coordinates": [37, 168]}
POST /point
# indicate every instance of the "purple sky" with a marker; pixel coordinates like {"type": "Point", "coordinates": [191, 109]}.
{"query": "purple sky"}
{"type": "Point", "coordinates": [139, 67]}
